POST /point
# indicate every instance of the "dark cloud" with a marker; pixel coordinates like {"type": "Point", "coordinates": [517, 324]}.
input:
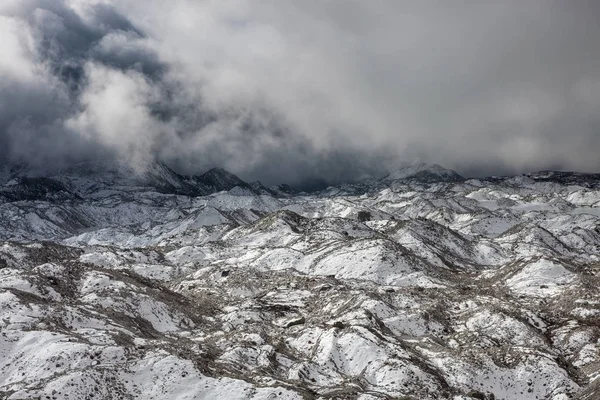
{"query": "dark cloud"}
{"type": "Point", "coordinates": [302, 91]}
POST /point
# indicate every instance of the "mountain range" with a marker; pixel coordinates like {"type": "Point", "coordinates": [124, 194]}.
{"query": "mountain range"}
{"type": "Point", "coordinates": [121, 282]}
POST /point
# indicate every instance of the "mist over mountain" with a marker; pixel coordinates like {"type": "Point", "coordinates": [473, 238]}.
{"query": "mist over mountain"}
{"type": "Point", "coordinates": [299, 199]}
{"type": "Point", "coordinates": [302, 92]}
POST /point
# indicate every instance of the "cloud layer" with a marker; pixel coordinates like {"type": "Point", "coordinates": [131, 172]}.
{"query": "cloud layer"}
{"type": "Point", "coordinates": [302, 91]}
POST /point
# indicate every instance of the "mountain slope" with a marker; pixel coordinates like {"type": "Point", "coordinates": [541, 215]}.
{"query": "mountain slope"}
{"type": "Point", "coordinates": [134, 284]}
{"type": "Point", "coordinates": [425, 173]}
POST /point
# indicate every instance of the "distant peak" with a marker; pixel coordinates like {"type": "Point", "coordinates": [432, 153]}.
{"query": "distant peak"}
{"type": "Point", "coordinates": [218, 171]}
{"type": "Point", "coordinates": [219, 179]}
{"type": "Point", "coordinates": [424, 172]}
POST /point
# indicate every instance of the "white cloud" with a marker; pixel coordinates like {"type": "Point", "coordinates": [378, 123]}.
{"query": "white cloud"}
{"type": "Point", "coordinates": [16, 62]}
{"type": "Point", "coordinates": [115, 112]}
{"type": "Point", "coordinates": [319, 88]}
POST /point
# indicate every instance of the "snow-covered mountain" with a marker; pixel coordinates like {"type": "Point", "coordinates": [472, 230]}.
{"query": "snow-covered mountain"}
{"type": "Point", "coordinates": [141, 283]}
{"type": "Point", "coordinates": [424, 173]}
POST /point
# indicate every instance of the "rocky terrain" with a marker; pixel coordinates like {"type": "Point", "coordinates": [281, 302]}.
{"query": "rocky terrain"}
{"type": "Point", "coordinates": [121, 283]}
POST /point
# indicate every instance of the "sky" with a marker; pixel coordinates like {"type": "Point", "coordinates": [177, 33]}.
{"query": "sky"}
{"type": "Point", "coordinates": [302, 91]}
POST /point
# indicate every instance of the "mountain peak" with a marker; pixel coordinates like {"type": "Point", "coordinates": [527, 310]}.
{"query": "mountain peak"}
{"type": "Point", "coordinates": [221, 178]}
{"type": "Point", "coordinates": [218, 170]}
{"type": "Point", "coordinates": [118, 172]}
{"type": "Point", "coordinates": [424, 172]}
{"type": "Point", "coordinates": [216, 180]}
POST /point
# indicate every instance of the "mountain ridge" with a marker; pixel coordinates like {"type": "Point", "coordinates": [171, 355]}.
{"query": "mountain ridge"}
{"type": "Point", "coordinates": [122, 286]}
{"type": "Point", "coordinates": [160, 176]}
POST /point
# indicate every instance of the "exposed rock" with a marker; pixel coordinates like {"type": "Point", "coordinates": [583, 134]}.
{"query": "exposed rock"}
{"type": "Point", "coordinates": [121, 286]}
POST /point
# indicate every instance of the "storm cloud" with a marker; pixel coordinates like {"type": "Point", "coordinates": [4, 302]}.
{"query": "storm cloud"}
{"type": "Point", "coordinates": [302, 91]}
